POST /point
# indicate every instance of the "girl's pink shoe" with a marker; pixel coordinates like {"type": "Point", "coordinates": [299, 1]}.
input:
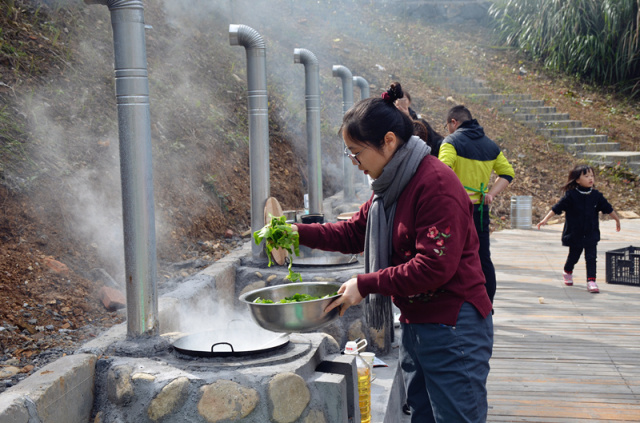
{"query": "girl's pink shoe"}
{"type": "Point", "coordinates": [568, 278]}
{"type": "Point", "coordinates": [592, 287]}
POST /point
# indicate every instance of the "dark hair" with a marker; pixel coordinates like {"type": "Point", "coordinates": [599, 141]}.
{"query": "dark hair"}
{"type": "Point", "coordinates": [575, 174]}
{"type": "Point", "coordinates": [422, 129]}
{"type": "Point", "coordinates": [369, 120]}
{"type": "Point", "coordinates": [459, 113]}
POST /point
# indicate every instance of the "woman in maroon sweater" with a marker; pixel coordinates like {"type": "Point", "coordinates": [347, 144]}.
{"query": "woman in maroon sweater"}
{"type": "Point", "coordinates": [421, 249]}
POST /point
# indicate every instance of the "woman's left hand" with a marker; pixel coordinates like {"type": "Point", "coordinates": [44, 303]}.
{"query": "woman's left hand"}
{"type": "Point", "coordinates": [350, 296]}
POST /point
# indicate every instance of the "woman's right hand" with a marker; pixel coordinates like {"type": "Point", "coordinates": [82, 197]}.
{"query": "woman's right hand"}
{"type": "Point", "coordinates": [350, 296]}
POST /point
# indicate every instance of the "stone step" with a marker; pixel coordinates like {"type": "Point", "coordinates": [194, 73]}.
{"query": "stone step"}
{"type": "Point", "coordinates": [558, 132]}
{"type": "Point", "coordinates": [542, 117]}
{"type": "Point", "coordinates": [634, 166]}
{"type": "Point", "coordinates": [473, 90]}
{"type": "Point", "coordinates": [500, 97]}
{"type": "Point", "coordinates": [519, 103]}
{"type": "Point", "coordinates": [557, 124]}
{"type": "Point", "coordinates": [529, 110]}
{"type": "Point", "coordinates": [580, 139]}
{"type": "Point", "coordinates": [457, 80]}
{"type": "Point", "coordinates": [624, 157]}
{"type": "Point", "coordinates": [597, 147]}
{"type": "Point", "coordinates": [446, 74]}
{"type": "Point", "coordinates": [558, 127]}
{"type": "Point", "coordinates": [461, 87]}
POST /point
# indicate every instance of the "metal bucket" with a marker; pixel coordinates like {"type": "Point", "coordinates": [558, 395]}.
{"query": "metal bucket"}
{"type": "Point", "coordinates": [291, 215]}
{"type": "Point", "coordinates": [521, 212]}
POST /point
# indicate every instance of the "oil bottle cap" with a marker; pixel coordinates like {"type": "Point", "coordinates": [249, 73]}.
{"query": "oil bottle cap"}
{"type": "Point", "coordinates": [351, 347]}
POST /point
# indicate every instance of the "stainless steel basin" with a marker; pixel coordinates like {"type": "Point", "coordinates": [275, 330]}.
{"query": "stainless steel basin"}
{"type": "Point", "coordinates": [303, 316]}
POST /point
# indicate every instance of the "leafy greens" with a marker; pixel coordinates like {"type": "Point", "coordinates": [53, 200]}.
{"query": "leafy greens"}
{"type": "Point", "coordinates": [279, 234]}
{"type": "Point", "coordinates": [295, 298]}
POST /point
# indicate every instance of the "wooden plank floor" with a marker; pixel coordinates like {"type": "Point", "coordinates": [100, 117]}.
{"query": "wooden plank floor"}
{"type": "Point", "coordinates": [562, 354]}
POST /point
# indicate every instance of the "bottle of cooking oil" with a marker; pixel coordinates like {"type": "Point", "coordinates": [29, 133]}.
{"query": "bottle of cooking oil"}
{"type": "Point", "coordinates": [364, 379]}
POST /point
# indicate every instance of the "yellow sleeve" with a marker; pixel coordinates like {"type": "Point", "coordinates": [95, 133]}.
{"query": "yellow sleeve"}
{"type": "Point", "coordinates": [448, 154]}
{"type": "Point", "coordinates": [503, 168]}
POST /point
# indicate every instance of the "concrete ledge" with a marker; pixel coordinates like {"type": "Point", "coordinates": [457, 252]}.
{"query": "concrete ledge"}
{"type": "Point", "coordinates": [333, 389]}
{"type": "Point", "coordinates": [99, 345]}
{"type": "Point", "coordinates": [345, 365]}
{"type": "Point", "coordinates": [62, 391]}
{"type": "Point", "coordinates": [387, 391]}
{"type": "Point", "coordinates": [387, 388]}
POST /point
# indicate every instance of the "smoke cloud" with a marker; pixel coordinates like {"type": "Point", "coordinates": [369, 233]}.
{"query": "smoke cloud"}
{"type": "Point", "coordinates": [185, 78]}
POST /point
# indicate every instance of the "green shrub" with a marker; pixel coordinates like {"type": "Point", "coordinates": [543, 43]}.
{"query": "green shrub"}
{"type": "Point", "coordinates": [598, 40]}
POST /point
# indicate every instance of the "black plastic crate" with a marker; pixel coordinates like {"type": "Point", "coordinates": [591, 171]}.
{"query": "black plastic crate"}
{"type": "Point", "coordinates": [623, 266]}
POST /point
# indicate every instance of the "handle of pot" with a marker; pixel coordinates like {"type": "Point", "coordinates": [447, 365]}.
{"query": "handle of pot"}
{"type": "Point", "coordinates": [222, 343]}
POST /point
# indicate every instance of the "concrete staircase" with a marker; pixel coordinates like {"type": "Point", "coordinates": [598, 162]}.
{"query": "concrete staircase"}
{"type": "Point", "coordinates": [571, 134]}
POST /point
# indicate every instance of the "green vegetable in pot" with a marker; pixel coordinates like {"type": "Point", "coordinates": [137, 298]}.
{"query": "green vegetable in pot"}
{"type": "Point", "coordinates": [295, 298]}
{"type": "Point", "coordinates": [278, 234]}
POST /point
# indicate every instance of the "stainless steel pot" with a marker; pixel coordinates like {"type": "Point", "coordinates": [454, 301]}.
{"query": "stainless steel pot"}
{"type": "Point", "coordinates": [303, 316]}
{"type": "Point", "coordinates": [311, 257]}
{"type": "Point", "coordinates": [325, 260]}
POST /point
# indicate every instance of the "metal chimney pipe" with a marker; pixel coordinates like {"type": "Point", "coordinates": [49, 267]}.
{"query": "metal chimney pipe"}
{"type": "Point", "coordinates": [134, 130]}
{"type": "Point", "coordinates": [312, 102]}
{"type": "Point", "coordinates": [363, 85]}
{"type": "Point", "coordinates": [258, 123]}
{"type": "Point", "coordinates": [347, 101]}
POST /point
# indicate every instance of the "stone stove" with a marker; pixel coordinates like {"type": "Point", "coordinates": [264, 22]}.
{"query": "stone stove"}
{"type": "Point", "coordinates": [306, 380]}
{"type": "Point", "coordinates": [286, 385]}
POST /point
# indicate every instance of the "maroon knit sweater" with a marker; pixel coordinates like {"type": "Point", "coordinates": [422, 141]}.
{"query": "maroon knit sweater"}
{"type": "Point", "coordinates": [435, 265]}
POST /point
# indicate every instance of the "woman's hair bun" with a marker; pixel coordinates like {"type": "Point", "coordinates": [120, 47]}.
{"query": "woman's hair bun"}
{"type": "Point", "coordinates": [393, 93]}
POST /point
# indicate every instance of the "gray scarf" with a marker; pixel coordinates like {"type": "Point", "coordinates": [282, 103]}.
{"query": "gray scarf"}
{"type": "Point", "coordinates": [377, 244]}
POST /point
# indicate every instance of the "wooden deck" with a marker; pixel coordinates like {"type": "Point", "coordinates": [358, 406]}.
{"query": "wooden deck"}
{"type": "Point", "coordinates": [562, 354]}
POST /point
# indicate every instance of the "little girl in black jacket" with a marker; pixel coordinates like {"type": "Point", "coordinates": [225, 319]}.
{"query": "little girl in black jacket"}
{"type": "Point", "coordinates": [582, 205]}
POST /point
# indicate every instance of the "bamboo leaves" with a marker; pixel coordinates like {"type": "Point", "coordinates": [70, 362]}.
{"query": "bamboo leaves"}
{"type": "Point", "coordinates": [598, 40]}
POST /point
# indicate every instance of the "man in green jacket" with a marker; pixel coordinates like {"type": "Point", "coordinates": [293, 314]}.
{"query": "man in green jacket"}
{"type": "Point", "coordinates": [473, 156]}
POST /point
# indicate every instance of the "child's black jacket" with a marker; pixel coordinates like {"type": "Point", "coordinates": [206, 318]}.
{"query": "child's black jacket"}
{"type": "Point", "coordinates": [582, 225]}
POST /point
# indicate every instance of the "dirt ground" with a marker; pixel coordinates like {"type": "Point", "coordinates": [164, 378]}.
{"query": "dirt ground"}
{"type": "Point", "coordinates": [50, 302]}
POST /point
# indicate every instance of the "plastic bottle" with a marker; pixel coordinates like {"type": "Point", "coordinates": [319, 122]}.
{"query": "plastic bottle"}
{"type": "Point", "coordinates": [364, 379]}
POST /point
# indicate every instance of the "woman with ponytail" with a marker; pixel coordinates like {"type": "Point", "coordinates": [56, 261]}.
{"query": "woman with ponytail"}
{"type": "Point", "coordinates": [420, 250]}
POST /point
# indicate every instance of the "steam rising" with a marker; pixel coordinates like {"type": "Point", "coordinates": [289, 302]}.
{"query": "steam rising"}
{"type": "Point", "coordinates": [189, 77]}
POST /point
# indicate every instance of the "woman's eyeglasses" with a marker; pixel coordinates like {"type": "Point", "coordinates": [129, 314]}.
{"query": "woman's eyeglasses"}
{"type": "Point", "coordinates": [352, 156]}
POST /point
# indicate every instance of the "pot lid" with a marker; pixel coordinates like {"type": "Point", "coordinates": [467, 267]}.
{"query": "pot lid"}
{"type": "Point", "coordinates": [224, 343]}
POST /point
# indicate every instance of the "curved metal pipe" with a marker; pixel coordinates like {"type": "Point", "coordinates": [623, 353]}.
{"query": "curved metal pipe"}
{"type": "Point", "coordinates": [258, 123]}
{"type": "Point", "coordinates": [362, 83]}
{"type": "Point", "coordinates": [134, 129]}
{"type": "Point", "coordinates": [347, 101]}
{"type": "Point", "coordinates": [312, 103]}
